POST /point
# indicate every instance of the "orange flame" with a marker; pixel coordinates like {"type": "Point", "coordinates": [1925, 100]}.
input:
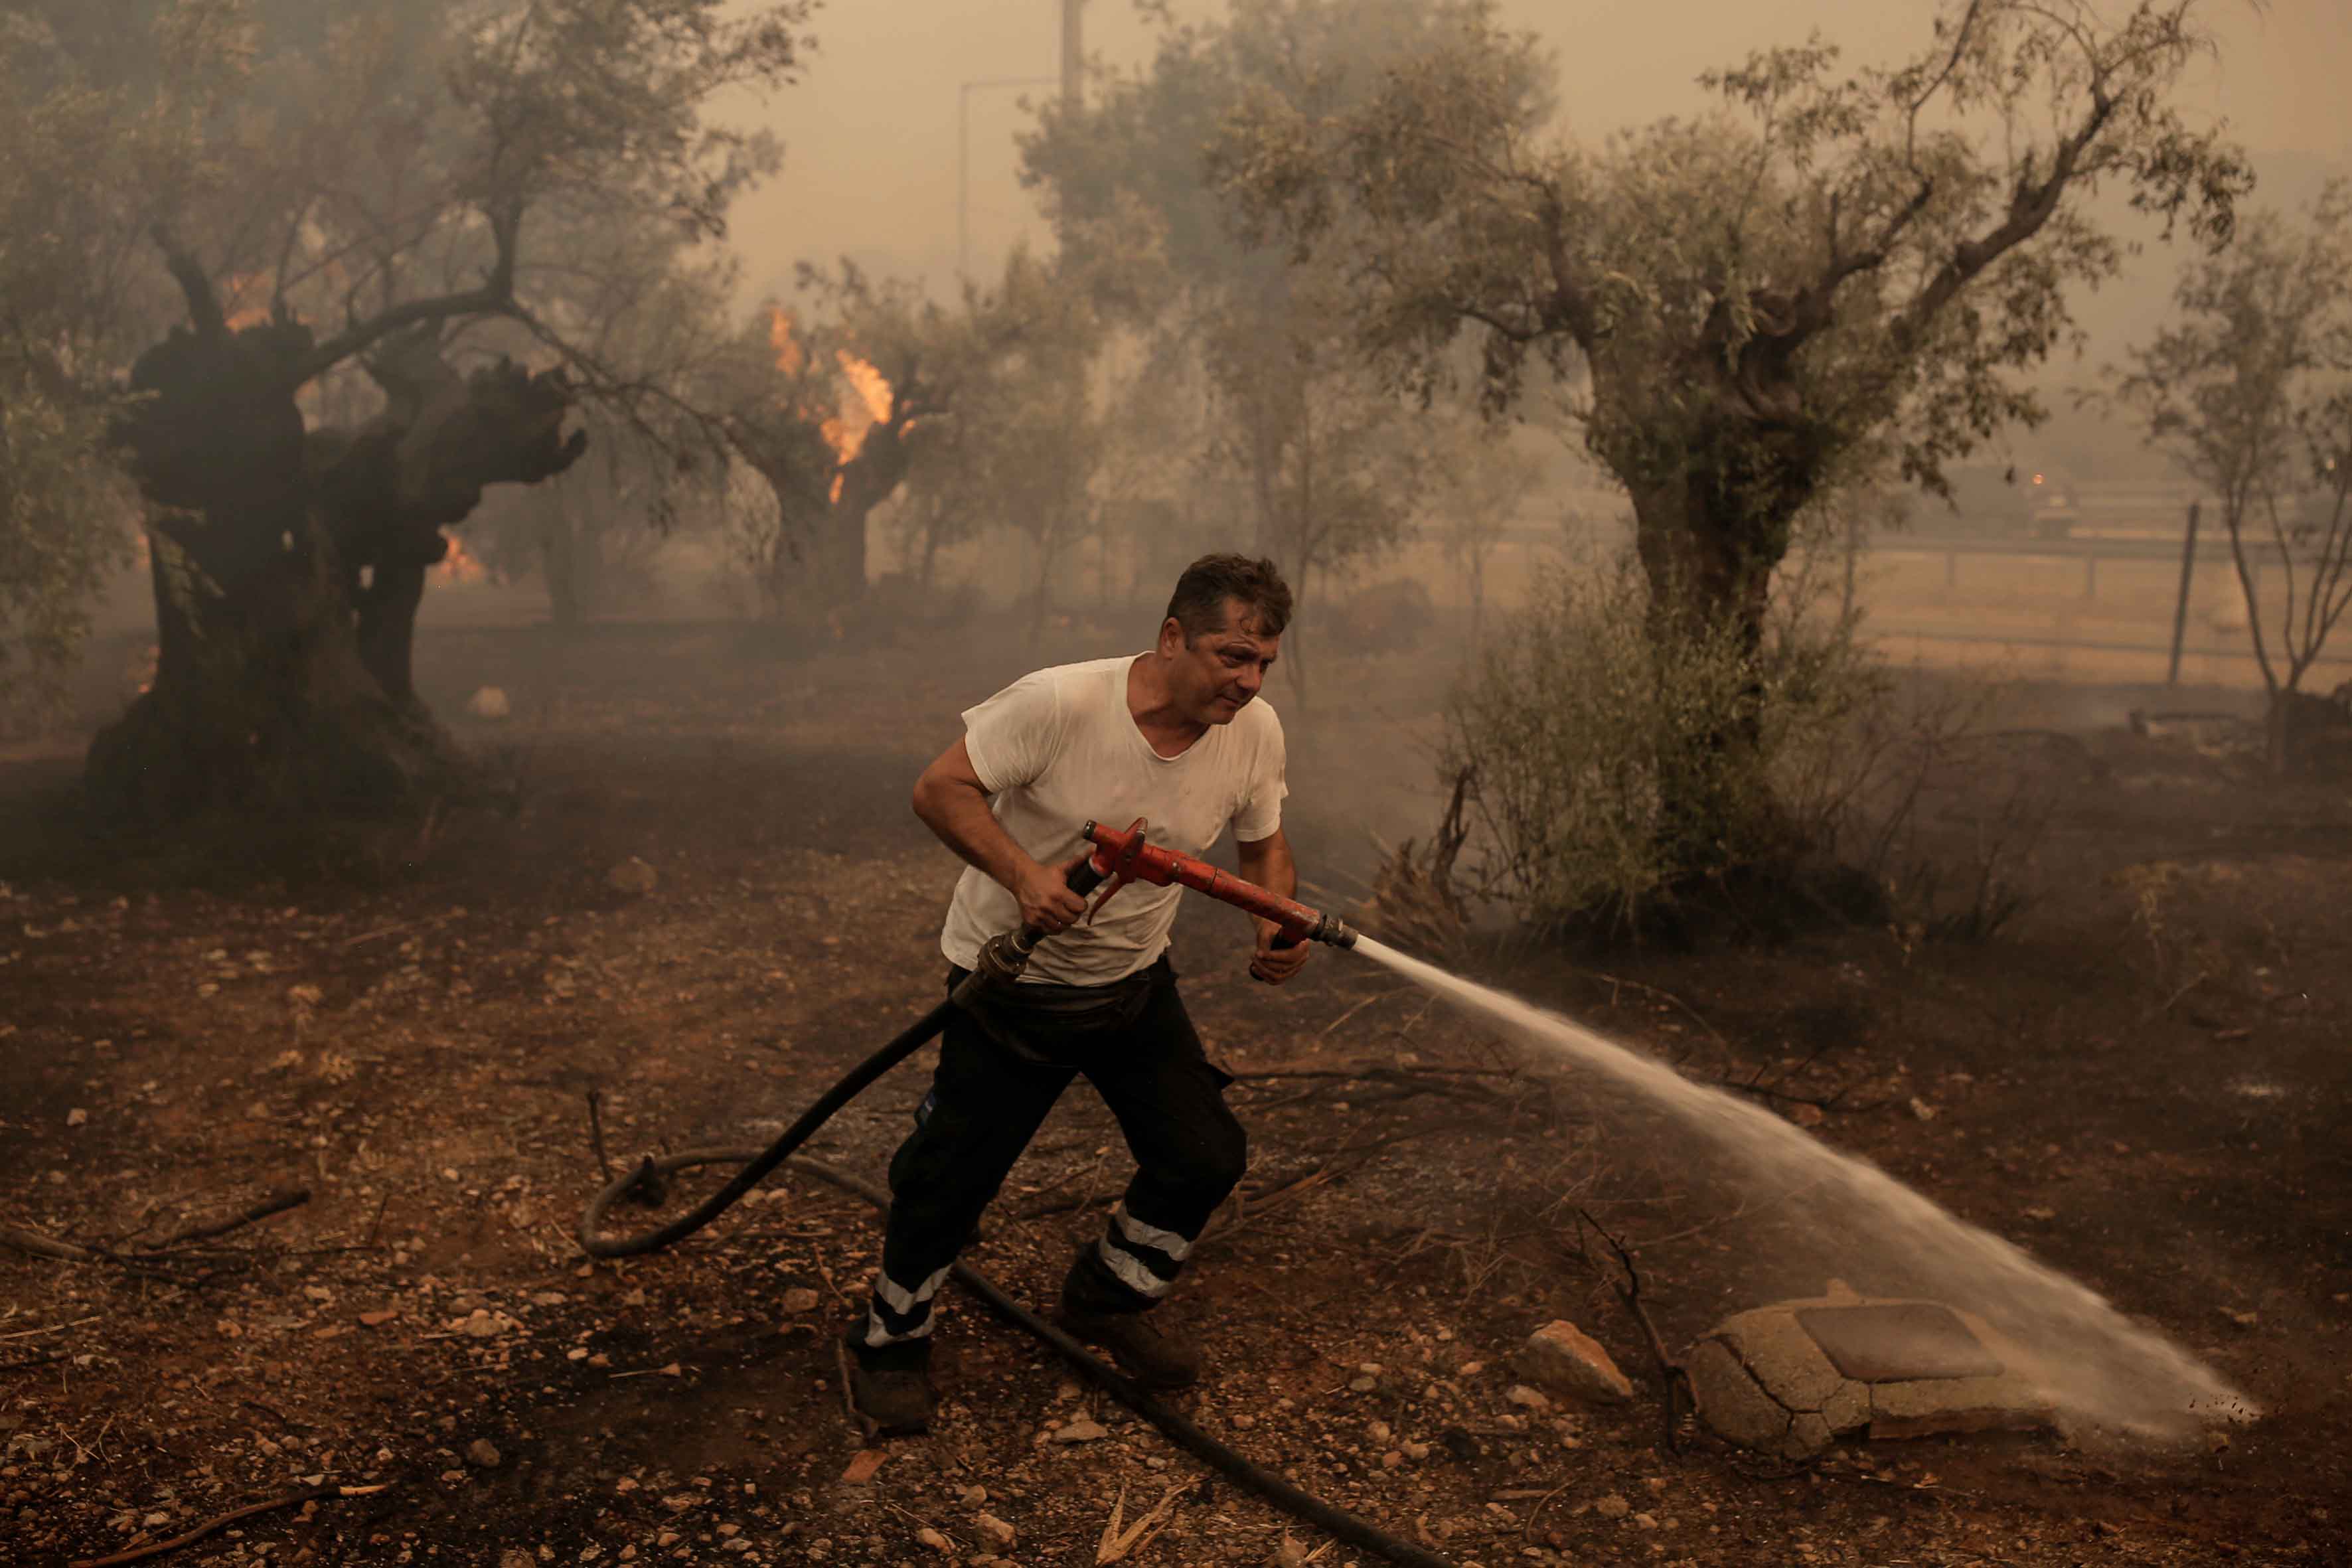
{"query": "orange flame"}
{"type": "Point", "coordinates": [866, 404]}
{"type": "Point", "coordinates": [460, 565]}
{"type": "Point", "coordinates": [789, 355]}
{"type": "Point", "coordinates": [245, 301]}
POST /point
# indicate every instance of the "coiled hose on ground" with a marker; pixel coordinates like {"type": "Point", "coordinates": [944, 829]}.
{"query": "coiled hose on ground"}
{"type": "Point", "coordinates": [649, 1178]}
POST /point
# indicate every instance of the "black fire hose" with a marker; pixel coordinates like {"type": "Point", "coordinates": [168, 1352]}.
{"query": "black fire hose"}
{"type": "Point", "coordinates": [645, 1181]}
{"type": "Point", "coordinates": [1001, 962]}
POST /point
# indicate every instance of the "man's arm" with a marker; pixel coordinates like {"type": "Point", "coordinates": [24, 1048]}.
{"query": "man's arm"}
{"type": "Point", "coordinates": [1267, 862]}
{"type": "Point", "coordinates": [953, 804]}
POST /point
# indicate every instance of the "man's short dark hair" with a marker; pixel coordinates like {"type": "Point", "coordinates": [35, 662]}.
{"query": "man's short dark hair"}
{"type": "Point", "coordinates": [1198, 605]}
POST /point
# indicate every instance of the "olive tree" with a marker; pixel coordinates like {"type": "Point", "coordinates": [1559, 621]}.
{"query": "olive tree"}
{"type": "Point", "coordinates": [373, 248]}
{"type": "Point", "coordinates": [1833, 271]}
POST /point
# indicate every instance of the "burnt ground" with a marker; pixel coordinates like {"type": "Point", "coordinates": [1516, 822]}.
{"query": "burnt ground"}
{"type": "Point", "coordinates": [2143, 1079]}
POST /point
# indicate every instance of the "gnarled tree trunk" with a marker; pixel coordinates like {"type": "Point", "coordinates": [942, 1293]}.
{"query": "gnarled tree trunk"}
{"type": "Point", "coordinates": [289, 566]}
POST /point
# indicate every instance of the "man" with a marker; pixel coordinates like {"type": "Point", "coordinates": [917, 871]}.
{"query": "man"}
{"type": "Point", "coordinates": [1175, 736]}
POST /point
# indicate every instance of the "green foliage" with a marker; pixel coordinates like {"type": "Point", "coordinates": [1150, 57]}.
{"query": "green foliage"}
{"type": "Point", "coordinates": [1320, 459]}
{"type": "Point", "coordinates": [1833, 273]}
{"type": "Point", "coordinates": [1613, 770]}
{"type": "Point", "coordinates": [75, 147]}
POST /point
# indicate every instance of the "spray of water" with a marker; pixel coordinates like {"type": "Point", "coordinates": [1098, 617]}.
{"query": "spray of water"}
{"type": "Point", "coordinates": [2097, 1370]}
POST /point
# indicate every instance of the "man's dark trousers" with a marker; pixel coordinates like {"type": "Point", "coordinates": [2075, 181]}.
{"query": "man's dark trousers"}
{"type": "Point", "coordinates": [997, 1079]}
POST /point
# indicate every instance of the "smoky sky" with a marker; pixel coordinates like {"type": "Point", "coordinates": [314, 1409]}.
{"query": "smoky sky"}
{"type": "Point", "coordinates": [870, 132]}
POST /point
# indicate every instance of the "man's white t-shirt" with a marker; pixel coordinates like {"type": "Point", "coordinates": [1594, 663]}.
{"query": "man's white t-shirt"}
{"type": "Point", "coordinates": [1059, 749]}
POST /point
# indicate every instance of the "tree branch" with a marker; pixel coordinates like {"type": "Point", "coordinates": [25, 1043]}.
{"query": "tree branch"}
{"type": "Point", "coordinates": [204, 304]}
{"type": "Point", "coordinates": [494, 296]}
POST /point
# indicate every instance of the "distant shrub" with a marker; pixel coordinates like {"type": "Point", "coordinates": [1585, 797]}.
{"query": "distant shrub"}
{"type": "Point", "coordinates": [1613, 771]}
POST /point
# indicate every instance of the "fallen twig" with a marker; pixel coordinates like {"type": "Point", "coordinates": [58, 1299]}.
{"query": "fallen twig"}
{"type": "Point", "coordinates": [38, 1246]}
{"type": "Point", "coordinates": [288, 1499]}
{"type": "Point", "coordinates": [277, 1204]}
{"type": "Point", "coordinates": [596, 1133]}
{"type": "Point", "coordinates": [51, 1329]}
{"type": "Point", "coordinates": [1671, 1378]}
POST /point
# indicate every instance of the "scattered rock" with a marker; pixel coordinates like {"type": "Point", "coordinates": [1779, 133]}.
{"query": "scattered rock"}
{"type": "Point", "coordinates": [485, 1452]}
{"type": "Point", "coordinates": [1526, 1398]}
{"type": "Point", "coordinates": [1613, 1506]}
{"type": "Point", "coordinates": [1922, 1110]}
{"type": "Point", "coordinates": [75, 1117]}
{"type": "Point", "coordinates": [862, 1468]}
{"type": "Point", "coordinates": [1082, 1430]}
{"type": "Point", "coordinates": [489, 702]}
{"type": "Point", "coordinates": [633, 876]}
{"type": "Point", "coordinates": [975, 1496]}
{"type": "Point", "coordinates": [935, 1540]}
{"type": "Point", "coordinates": [800, 1299]}
{"type": "Point", "coordinates": [380, 1317]}
{"type": "Point", "coordinates": [995, 1529]}
{"type": "Point", "coordinates": [1563, 1358]}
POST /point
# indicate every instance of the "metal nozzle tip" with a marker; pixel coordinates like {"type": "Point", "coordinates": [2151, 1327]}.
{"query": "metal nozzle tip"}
{"type": "Point", "coordinates": [1337, 932]}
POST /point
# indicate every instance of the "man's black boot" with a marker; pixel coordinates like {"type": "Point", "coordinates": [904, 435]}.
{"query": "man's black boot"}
{"type": "Point", "coordinates": [1099, 1311]}
{"type": "Point", "coordinates": [891, 1384]}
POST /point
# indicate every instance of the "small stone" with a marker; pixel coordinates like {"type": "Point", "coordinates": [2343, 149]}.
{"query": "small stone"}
{"type": "Point", "coordinates": [1363, 1384]}
{"type": "Point", "coordinates": [934, 1540]}
{"type": "Point", "coordinates": [975, 1496]}
{"type": "Point", "coordinates": [800, 1299]}
{"type": "Point", "coordinates": [1526, 1398]}
{"type": "Point", "coordinates": [1392, 1459]}
{"type": "Point", "coordinates": [489, 702]}
{"type": "Point", "coordinates": [75, 1117]}
{"type": "Point", "coordinates": [1563, 1358]}
{"type": "Point", "coordinates": [1921, 1109]}
{"type": "Point", "coordinates": [995, 1529]}
{"type": "Point", "coordinates": [1646, 1521]}
{"type": "Point", "coordinates": [2243, 1319]}
{"type": "Point", "coordinates": [862, 1468]}
{"type": "Point", "coordinates": [1613, 1506]}
{"type": "Point", "coordinates": [485, 1452]}
{"type": "Point", "coordinates": [1082, 1430]}
{"type": "Point", "coordinates": [516, 1557]}
{"type": "Point", "coordinates": [480, 1325]}
{"type": "Point", "coordinates": [633, 876]}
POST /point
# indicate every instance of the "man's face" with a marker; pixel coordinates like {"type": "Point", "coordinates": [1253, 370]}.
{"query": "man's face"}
{"type": "Point", "coordinates": [1218, 673]}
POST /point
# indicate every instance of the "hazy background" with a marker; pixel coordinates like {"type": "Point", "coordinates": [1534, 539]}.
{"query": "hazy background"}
{"type": "Point", "coordinates": [870, 133]}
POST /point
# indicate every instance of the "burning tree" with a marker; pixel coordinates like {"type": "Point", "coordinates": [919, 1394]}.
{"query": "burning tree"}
{"type": "Point", "coordinates": [890, 389]}
{"type": "Point", "coordinates": [417, 170]}
{"type": "Point", "coordinates": [829, 436]}
{"type": "Point", "coordinates": [2252, 392]}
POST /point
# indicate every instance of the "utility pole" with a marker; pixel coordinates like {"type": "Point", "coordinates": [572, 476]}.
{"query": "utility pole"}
{"type": "Point", "coordinates": [2180, 609]}
{"type": "Point", "coordinates": [1073, 83]}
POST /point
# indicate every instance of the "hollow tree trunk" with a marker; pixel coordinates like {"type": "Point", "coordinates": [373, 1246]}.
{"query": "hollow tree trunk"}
{"type": "Point", "coordinates": [283, 687]}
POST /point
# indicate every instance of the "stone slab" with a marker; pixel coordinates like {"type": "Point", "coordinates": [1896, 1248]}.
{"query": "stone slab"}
{"type": "Point", "coordinates": [1898, 1341]}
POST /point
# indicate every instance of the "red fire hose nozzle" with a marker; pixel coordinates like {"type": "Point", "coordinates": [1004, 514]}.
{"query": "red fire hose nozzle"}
{"type": "Point", "coordinates": [1125, 858]}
